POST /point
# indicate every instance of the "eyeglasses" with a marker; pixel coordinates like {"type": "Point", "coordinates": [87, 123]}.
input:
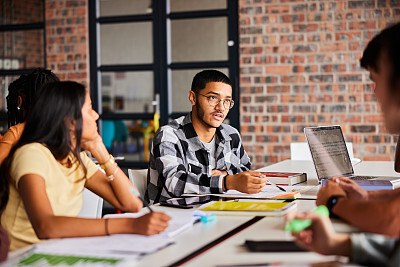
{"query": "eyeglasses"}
{"type": "Point", "coordinates": [214, 101]}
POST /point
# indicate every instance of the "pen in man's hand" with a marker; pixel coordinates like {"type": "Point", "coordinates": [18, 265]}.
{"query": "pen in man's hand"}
{"type": "Point", "coordinates": [134, 192]}
{"type": "Point", "coordinates": [271, 183]}
{"type": "Point", "coordinates": [280, 188]}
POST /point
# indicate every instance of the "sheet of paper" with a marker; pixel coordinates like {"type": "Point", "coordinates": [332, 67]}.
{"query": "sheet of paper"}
{"type": "Point", "coordinates": [105, 245]}
{"type": "Point", "coordinates": [269, 191]}
{"type": "Point", "coordinates": [181, 220]}
{"type": "Point", "coordinates": [43, 259]}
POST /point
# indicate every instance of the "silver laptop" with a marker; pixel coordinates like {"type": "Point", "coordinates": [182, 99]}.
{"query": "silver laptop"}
{"type": "Point", "coordinates": [330, 155]}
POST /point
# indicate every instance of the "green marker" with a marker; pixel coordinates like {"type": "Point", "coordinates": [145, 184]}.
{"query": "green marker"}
{"type": "Point", "coordinates": [297, 225]}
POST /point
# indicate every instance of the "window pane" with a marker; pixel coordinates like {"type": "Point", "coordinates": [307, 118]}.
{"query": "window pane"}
{"type": "Point", "coordinates": [5, 82]}
{"type": "Point", "coordinates": [21, 49]}
{"type": "Point", "coordinates": [128, 139]}
{"type": "Point", "coordinates": [127, 92]}
{"type": "Point", "coordinates": [199, 39]}
{"type": "Point", "coordinates": [125, 7]}
{"type": "Point", "coordinates": [126, 43]}
{"type": "Point", "coordinates": [21, 12]}
{"type": "Point", "coordinates": [181, 84]}
{"type": "Point", "coordinates": [195, 5]}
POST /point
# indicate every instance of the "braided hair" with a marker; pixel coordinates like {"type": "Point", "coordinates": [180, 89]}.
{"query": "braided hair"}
{"type": "Point", "coordinates": [22, 91]}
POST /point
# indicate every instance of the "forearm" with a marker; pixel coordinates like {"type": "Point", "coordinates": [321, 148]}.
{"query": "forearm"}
{"type": "Point", "coordinates": [380, 217]}
{"type": "Point", "coordinates": [341, 245]}
{"type": "Point", "coordinates": [121, 196]}
{"type": "Point", "coordinates": [383, 194]}
{"type": "Point", "coordinates": [116, 192]}
{"type": "Point", "coordinates": [62, 227]}
{"type": "Point", "coordinates": [121, 186]}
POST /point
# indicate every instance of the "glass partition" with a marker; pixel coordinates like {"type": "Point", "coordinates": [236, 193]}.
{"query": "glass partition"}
{"type": "Point", "coordinates": [197, 40]}
{"type": "Point", "coordinates": [126, 43]}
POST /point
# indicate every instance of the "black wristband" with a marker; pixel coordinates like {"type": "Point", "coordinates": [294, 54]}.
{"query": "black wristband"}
{"type": "Point", "coordinates": [332, 201]}
{"type": "Point", "coordinates": [226, 189]}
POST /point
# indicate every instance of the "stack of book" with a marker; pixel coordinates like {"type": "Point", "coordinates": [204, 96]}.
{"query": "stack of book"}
{"type": "Point", "coordinates": [285, 178]}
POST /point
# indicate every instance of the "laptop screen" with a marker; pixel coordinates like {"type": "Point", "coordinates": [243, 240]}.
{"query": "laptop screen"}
{"type": "Point", "coordinates": [329, 152]}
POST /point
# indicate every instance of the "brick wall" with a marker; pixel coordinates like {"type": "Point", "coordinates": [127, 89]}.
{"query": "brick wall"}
{"type": "Point", "coordinates": [67, 42]}
{"type": "Point", "coordinates": [67, 47]}
{"type": "Point", "coordinates": [23, 46]}
{"type": "Point", "coordinates": [299, 66]}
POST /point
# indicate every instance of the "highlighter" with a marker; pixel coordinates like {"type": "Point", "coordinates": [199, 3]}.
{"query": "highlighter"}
{"type": "Point", "coordinates": [297, 225]}
{"type": "Point", "coordinates": [208, 218]}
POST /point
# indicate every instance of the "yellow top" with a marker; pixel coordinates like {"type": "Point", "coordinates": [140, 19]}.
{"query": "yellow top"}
{"type": "Point", "coordinates": [64, 187]}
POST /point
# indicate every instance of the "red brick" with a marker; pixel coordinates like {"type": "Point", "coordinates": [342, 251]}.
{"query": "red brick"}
{"type": "Point", "coordinates": [321, 42]}
{"type": "Point", "coordinates": [275, 9]}
{"type": "Point", "coordinates": [333, 47]}
{"type": "Point", "coordinates": [378, 158]}
{"type": "Point", "coordinates": [373, 118]}
{"type": "Point", "coordinates": [278, 69]}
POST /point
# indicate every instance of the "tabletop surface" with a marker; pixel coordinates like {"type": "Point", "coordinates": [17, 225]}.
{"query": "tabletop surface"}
{"type": "Point", "coordinates": [230, 251]}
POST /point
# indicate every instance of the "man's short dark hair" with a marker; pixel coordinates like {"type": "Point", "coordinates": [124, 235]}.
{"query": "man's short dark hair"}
{"type": "Point", "coordinates": [386, 42]}
{"type": "Point", "coordinates": [201, 79]}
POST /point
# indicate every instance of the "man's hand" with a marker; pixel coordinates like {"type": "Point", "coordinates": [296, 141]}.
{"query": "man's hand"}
{"type": "Point", "coordinates": [218, 172]}
{"type": "Point", "coordinates": [320, 236]}
{"type": "Point", "coordinates": [249, 182]}
{"type": "Point", "coordinates": [330, 189]}
{"type": "Point", "coordinates": [352, 189]}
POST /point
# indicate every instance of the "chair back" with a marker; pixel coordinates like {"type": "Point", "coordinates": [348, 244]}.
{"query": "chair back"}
{"type": "Point", "coordinates": [139, 179]}
{"type": "Point", "coordinates": [92, 206]}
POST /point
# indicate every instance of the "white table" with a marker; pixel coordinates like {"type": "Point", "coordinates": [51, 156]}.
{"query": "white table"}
{"type": "Point", "coordinates": [185, 243]}
{"type": "Point", "coordinates": [230, 251]}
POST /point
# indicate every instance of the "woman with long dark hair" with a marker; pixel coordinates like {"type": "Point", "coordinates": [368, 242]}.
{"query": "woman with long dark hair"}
{"type": "Point", "coordinates": [47, 173]}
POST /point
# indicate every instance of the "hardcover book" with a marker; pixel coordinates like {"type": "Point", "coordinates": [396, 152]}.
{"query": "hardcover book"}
{"type": "Point", "coordinates": [286, 178]}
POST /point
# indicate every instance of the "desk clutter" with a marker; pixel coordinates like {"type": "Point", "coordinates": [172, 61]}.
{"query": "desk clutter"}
{"type": "Point", "coordinates": [212, 219]}
{"type": "Point", "coordinates": [249, 208]}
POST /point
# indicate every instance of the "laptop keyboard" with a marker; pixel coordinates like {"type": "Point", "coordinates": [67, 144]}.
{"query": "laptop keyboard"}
{"type": "Point", "coordinates": [362, 177]}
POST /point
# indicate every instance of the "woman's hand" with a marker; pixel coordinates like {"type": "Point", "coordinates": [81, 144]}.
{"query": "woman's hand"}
{"type": "Point", "coordinates": [92, 144]}
{"type": "Point", "coordinates": [151, 223]}
{"type": "Point", "coordinates": [97, 148]}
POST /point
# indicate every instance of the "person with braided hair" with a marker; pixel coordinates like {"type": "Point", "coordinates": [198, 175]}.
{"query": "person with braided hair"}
{"type": "Point", "coordinates": [21, 94]}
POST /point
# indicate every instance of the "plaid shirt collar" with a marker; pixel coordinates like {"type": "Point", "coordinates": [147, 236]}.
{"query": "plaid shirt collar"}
{"type": "Point", "coordinates": [190, 132]}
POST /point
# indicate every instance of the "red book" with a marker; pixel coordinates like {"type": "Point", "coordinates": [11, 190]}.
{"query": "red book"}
{"type": "Point", "coordinates": [286, 178]}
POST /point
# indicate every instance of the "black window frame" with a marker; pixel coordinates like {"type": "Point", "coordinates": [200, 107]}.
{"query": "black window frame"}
{"type": "Point", "coordinates": [23, 27]}
{"type": "Point", "coordinates": [160, 66]}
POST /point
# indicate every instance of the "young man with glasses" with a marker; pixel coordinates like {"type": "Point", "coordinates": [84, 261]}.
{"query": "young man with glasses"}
{"type": "Point", "coordinates": [197, 153]}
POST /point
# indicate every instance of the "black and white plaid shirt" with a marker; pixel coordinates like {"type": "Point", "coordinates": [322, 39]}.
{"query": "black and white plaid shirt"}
{"type": "Point", "coordinates": [179, 162]}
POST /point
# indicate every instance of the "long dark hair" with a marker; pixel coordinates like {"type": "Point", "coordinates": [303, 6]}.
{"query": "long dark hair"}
{"type": "Point", "coordinates": [26, 87]}
{"type": "Point", "coordinates": [57, 105]}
